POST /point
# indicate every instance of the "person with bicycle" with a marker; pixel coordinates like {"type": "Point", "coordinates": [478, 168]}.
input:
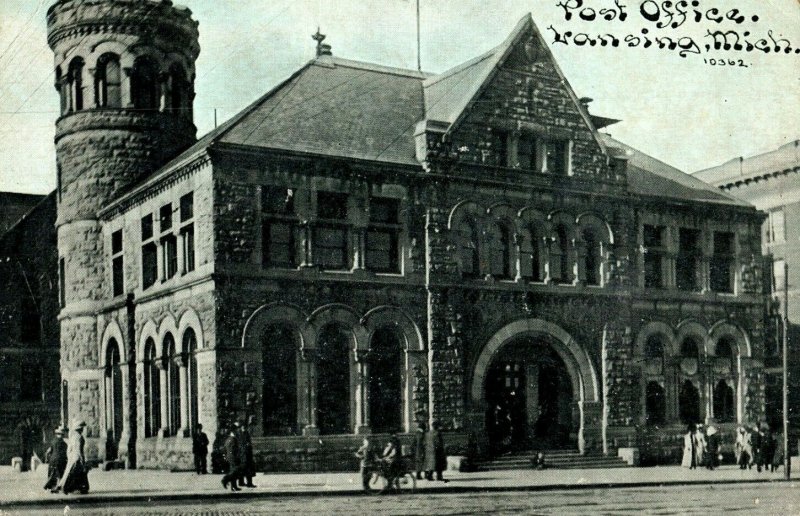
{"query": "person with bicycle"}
{"type": "Point", "coordinates": [390, 463]}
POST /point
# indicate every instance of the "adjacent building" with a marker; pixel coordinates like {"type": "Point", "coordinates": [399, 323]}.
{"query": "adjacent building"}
{"type": "Point", "coordinates": [770, 182]}
{"type": "Point", "coordinates": [365, 248]}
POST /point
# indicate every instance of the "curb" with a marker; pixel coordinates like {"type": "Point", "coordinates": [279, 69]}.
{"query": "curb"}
{"type": "Point", "coordinates": [79, 500]}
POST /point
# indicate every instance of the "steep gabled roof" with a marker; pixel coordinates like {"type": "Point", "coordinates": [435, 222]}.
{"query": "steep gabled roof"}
{"type": "Point", "coordinates": [652, 177]}
{"type": "Point", "coordinates": [13, 206]}
{"type": "Point", "coordinates": [448, 96]}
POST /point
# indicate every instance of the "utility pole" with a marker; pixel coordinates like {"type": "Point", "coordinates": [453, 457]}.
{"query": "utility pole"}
{"type": "Point", "coordinates": [419, 44]}
{"type": "Point", "coordinates": [786, 461]}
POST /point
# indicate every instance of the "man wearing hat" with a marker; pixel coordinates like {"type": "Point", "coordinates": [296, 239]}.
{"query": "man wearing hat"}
{"type": "Point", "coordinates": [232, 456]}
{"type": "Point", "coordinates": [248, 465]}
{"type": "Point", "coordinates": [56, 458]}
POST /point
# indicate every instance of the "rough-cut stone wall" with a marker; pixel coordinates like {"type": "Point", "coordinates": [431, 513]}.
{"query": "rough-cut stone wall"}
{"type": "Point", "coordinates": [620, 380]}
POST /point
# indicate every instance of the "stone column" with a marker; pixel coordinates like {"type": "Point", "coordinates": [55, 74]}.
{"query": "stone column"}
{"type": "Point", "coordinates": [362, 393]}
{"type": "Point", "coordinates": [125, 434]}
{"type": "Point", "coordinates": [309, 358]}
{"type": "Point", "coordinates": [182, 361]}
{"type": "Point", "coordinates": [126, 101]}
{"type": "Point", "coordinates": [163, 385]}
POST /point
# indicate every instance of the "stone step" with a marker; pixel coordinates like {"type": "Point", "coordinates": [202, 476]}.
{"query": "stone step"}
{"type": "Point", "coordinates": [557, 459]}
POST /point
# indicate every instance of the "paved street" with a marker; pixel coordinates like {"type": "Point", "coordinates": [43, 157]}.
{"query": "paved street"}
{"type": "Point", "coordinates": [782, 498]}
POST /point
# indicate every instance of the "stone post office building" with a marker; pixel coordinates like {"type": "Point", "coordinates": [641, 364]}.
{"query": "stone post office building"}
{"type": "Point", "coordinates": [365, 247]}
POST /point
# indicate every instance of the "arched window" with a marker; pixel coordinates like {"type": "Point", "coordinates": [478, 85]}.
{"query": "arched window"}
{"type": "Point", "coordinates": [469, 248]}
{"type": "Point", "coordinates": [75, 81]}
{"type": "Point", "coordinates": [689, 403]}
{"type": "Point", "coordinates": [724, 348]}
{"type": "Point", "coordinates": [333, 380]}
{"type": "Point", "coordinates": [173, 385]}
{"type": "Point", "coordinates": [152, 391]}
{"type": "Point", "coordinates": [279, 346]}
{"type": "Point", "coordinates": [113, 390]}
{"type": "Point", "coordinates": [655, 403]}
{"type": "Point", "coordinates": [178, 89]}
{"type": "Point", "coordinates": [108, 82]}
{"type": "Point", "coordinates": [500, 250]}
{"type": "Point", "coordinates": [386, 382]}
{"type": "Point", "coordinates": [724, 407]}
{"type": "Point", "coordinates": [690, 348]}
{"type": "Point", "coordinates": [592, 258]}
{"type": "Point", "coordinates": [559, 256]}
{"type": "Point", "coordinates": [531, 254]}
{"type": "Point", "coordinates": [144, 84]}
{"type": "Point", "coordinates": [654, 354]}
{"type": "Point", "coordinates": [190, 347]}
{"type": "Point", "coordinates": [62, 90]}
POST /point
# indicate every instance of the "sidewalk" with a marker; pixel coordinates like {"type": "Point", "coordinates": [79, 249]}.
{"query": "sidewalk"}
{"type": "Point", "coordinates": [141, 485]}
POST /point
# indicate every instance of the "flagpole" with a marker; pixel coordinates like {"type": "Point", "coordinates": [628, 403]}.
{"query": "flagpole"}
{"type": "Point", "coordinates": [419, 44]}
{"type": "Point", "coordinates": [786, 460]}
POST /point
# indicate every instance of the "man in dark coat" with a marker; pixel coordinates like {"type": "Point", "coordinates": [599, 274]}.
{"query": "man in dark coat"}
{"type": "Point", "coordinates": [419, 450]}
{"type": "Point", "coordinates": [712, 446]}
{"type": "Point", "coordinates": [248, 465]}
{"type": "Point", "coordinates": [56, 458]}
{"type": "Point", "coordinates": [757, 439]}
{"type": "Point", "coordinates": [200, 450]}
{"type": "Point", "coordinates": [435, 458]}
{"type": "Point", "coordinates": [232, 455]}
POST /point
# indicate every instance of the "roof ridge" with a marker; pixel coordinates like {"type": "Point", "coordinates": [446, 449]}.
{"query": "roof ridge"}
{"type": "Point", "coordinates": [375, 67]}
{"type": "Point", "coordinates": [435, 79]}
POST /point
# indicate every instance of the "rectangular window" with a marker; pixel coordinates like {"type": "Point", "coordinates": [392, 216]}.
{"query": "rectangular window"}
{"type": "Point", "coordinates": [330, 247]}
{"type": "Point", "coordinates": [556, 157]}
{"type": "Point", "coordinates": [62, 283]}
{"type": "Point", "coordinates": [117, 272]}
{"type": "Point", "coordinates": [526, 153]}
{"type": "Point", "coordinates": [331, 206]}
{"type": "Point", "coordinates": [499, 149]}
{"type": "Point", "coordinates": [277, 200]}
{"type": "Point", "coordinates": [147, 227]}
{"type": "Point", "coordinates": [30, 325]}
{"type": "Point", "coordinates": [382, 245]}
{"type": "Point", "coordinates": [187, 237]}
{"type": "Point", "coordinates": [149, 265]}
{"type": "Point", "coordinates": [722, 262]}
{"type": "Point", "coordinates": [278, 243]}
{"type": "Point", "coordinates": [165, 217]}
{"type": "Point", "coordinates": [31, 383]}
{"type": "Point", "coordinates": [777, 227]}
{"type": "Point", "coordinates": [169, 249]}
{"type": "Point", "coordinates": [653, 249]}
{"type": "Point", "coordinates": [187, 207]}
{"type": "Point", "coordinates": [688, 261]}
{"type": "Point", "coordinates": [779, 275]}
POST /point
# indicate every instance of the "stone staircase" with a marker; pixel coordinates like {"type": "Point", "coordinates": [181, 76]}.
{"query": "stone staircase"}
{"type": "Point", "coordinates": [554, 459]}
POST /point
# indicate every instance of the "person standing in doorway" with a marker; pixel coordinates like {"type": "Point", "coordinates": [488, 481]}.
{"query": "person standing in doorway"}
{"type": "Point", "coordinates": [200, 450]}
{"type": "Point", "coordinates": [419, 450]}
{"type": "Point", "coordinates": [233, 457]}
{"type": "Point", "coordinates": [56, 458]}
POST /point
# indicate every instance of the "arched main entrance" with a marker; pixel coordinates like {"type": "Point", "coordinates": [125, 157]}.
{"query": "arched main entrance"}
{"type": "Point", "coordinates": [534, 384]}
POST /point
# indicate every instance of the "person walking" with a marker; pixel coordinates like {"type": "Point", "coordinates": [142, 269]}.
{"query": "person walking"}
{"type": "Point", "coordinates": [419, 450]}
{"type": "Point", "coordinates": [76, 473]}
{"type": "Point", "coordinates": [248, 465]}
{"type": "Point", "coordinates": [700, 445]}
{"type": "Point", "coordinates": [689, 453]}
{"type": "Point", "coordinates": [712, 447]}
{"type": "Point", "coordinates": [743, 448]}
{"type": "Point", "coordinates": [200, 450]}
{"type": "Point", "coordinates": [435, 458]}
{"type": "Point", "coordinates": [767, 447]}
{"type": "Point", "coordinates": [232, 455]}
{"type": "Point", "coordinates": [778, 454]}
{"type": "Point", "coordinates": [56, 458]}
{"type": "Point", "coordinates": [366, 457]}
{"type": "Point", "coordinates": [756, 441]}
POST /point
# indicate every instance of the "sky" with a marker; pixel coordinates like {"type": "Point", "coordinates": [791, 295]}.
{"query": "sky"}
{"type": "Point", "coordinates": [682, 110]}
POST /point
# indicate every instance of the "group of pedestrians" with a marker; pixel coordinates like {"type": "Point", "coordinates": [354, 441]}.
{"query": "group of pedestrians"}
{"type": "Point", "coordinates": [754, 446]}
{"type": "Point", "coordinates": [239, 456]}
{"type": "Point", "coordinates": [759, 446]}
{"type": "Point", "coordinates": [67, 468]}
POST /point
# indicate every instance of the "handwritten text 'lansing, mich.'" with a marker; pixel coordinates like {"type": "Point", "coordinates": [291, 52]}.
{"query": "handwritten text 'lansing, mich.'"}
{"type": "Point", "coordinates": [727, 29]}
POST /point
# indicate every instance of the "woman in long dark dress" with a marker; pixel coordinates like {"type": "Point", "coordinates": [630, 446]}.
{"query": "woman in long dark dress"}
{"type": "Point", "coordinates": [56, 458]}
{"type": "Point", "coordinates": [76, 477]}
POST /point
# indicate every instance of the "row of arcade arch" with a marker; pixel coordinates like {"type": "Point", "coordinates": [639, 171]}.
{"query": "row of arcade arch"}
{"type": "Point", "coordinates": [166, 375]}
{"type": "Point", "coordinates": [334, 371]}
{"type": "Point", "coordinates": [118, 79]}
{"type": "Point", "coordinates": [528, 245]}
{"type": "Point", "coordinates": [691, 373]}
